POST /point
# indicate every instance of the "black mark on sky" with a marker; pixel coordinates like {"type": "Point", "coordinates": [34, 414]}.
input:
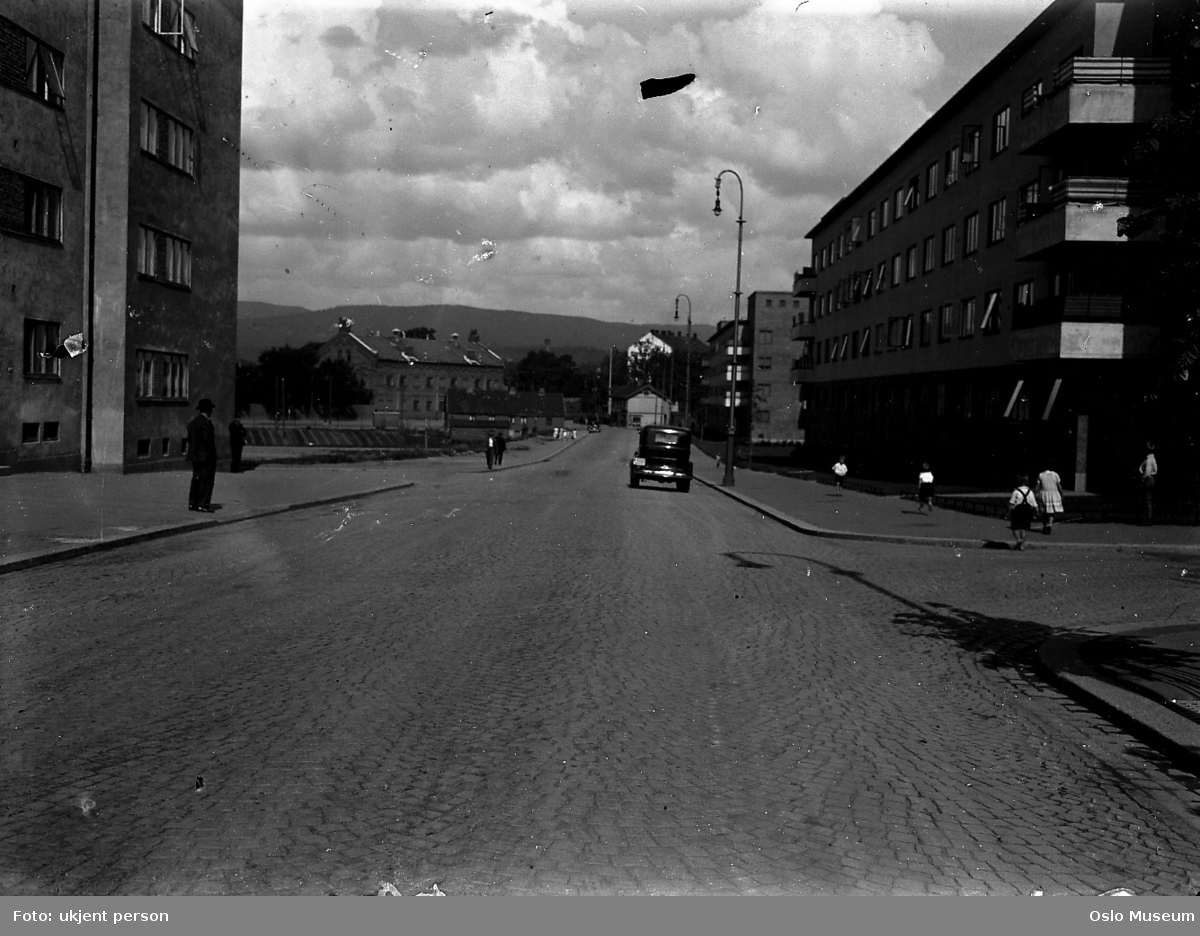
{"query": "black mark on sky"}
{"type": "Point", "coordinates": [657, 87]}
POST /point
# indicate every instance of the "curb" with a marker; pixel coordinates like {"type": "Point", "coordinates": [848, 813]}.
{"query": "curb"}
{"type": "Point", "coordinates": [74, 552]}
{"type": "Point", "coordinates": [1144, 718]}
{"type": "Point", "coordinates": [809, 529]}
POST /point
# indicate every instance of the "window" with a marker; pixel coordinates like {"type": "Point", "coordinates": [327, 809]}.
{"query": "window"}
{"type": "Point", "coordinates": [912, 194]}
{"type": "Point", "coordinates": [841, 245]}
{"type": "Point", "coordinates": [897, 270]}
{"type": "Point", "coordinates": [769, 303]}
{"type": "Point", "coordinates": [885, 213]}
{"type": "Point", "coordinates": [764, 334]}
{"type": "Point", "coordinates": [163, 257]}
{"type": "Point", "coordinates": [946, 324]}
{"type": "Point", "coordinates": [997, 215]}
{"type": "Point", "coordinates": [931, 180]}
{"type": "Point", "coordinates": [953, 158]}
{"type": "Point", "coordinates": [881, 277]}
{"type": "Point", "coordinates": [990, 323]}
{"type": "Point", "coordinates": [1029, 196]}
{"type": "Point", "coordinates": [28, 64]}
{"type": "Point", "coordinates": [864, 344]}
{"type": "Point", "coordinates": [899, 199]}
{"type": "Point", "coordinates": [971, 233]}
{"type": "Point", "coordinates": [41, 338]}
{"type": "Point", "coordinates": [868, 283]}
{"type": "Point", "coordinates": [926, 326]}
{"type": "Point", "coordinates": [911, 262]}
{"type": "Point", "coordinates": [428, 383]}
{"type": "Point", "coordinates": [929, 253]}
{"type": "Point", "coordinates": [1032, 97]}
{"type": "Point", "coordinates": [1000, 131]}
{"type": "Point", "coordinates": [165, 447]}
{"type": "Point", "coordinates": [30, 433]}
{"type": "Point", "coordinates": [28, 206]}
{"type": "Point", "coordinates": [161, 375]}
{"type": "Point", "coordinates": [908, 332]}
{"type": "Point", "coordinates": [143, 448]}
{"type": "Point", "coordinates": [972, 137]}
{"type": "Point", "coordinates": [871, 219]}
{"type": "Point", "coordinates": [165, 138]}
{"type": "Point", "coordinates": [966, 321]}
{"type": "Point", "coordinates": [948, 244]}
{"type": "Point", "coordinates": [879, 333]}
{"type": "Point", "coordinates": [764, 362]}
{"type": "Point", "coordinates": [50, 432]}
{"type": "Point", "coordinates": [967, 400]}
{"type": "Point", "coordinates": [895, 333]}
{"type": "Point", "coordinates": [1023, 296]}
{"type": "Point", "coordinates": [164, 19]}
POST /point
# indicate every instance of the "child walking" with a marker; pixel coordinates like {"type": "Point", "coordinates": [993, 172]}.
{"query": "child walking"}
{"type": "Point", "coordinates": [1021, 508]}
{"type": "Point", "coordinates": [925, 489]}
{"type": "Point", "coordinates": [839, 472]}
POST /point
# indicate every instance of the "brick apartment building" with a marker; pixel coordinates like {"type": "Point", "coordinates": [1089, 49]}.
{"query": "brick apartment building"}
{"type": "Point", "coordinates": [970, 303]}
{"type": "Point", "coordinates": [119, 223]}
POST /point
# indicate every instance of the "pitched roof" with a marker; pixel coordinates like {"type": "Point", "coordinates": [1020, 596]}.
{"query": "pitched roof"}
{"type": "Point", "coordinates": [503, 403]}
{"type": "Point", "coordinates": [632, 390]}
{"type": "Point", "coordinates": [423, 350]}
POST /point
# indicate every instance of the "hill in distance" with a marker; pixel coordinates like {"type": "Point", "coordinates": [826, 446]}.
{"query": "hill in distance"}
{"type": "Point", "coordinates": [508, 332]}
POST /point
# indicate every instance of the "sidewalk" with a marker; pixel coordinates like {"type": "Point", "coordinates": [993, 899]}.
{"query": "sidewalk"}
{"type": "Point", "coordinates": [55, 516]}
{"type": "Point", "coordinates": [1147, 679]}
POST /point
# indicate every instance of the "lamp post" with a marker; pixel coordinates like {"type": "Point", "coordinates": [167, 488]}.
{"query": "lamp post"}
{"type": "Point", "coordinates": [730, 445]}
{"type": "Point", "coordinates": [687, 392]}
{"type": "Point", "coordinates": [611, 349]}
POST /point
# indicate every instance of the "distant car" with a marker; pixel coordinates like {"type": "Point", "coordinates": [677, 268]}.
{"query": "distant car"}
{"type": "Point", "coordinates": [593, 427]}
{"type": "Point", "coordinates": [663, 455]}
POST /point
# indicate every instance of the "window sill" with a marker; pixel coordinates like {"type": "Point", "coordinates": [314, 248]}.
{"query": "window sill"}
{"type": "Point", "coordinates": [33, 238]}
{"type": "Point", "coordinates": [25, 92]}
{"type": "Point", "coordinates": [44, 378]}
{"type": "Point", "coordinates": [180, 287]}
{"type": "Point", "coordinates": [161, 401]}
{"type": "Point", "coordinates": [154, 158]}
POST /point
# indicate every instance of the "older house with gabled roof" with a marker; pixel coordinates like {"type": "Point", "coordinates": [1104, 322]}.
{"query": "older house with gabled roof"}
{"type": "Point", "coordinates": [411, 377]}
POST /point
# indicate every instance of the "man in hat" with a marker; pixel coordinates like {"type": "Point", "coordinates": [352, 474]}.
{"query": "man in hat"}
{"type": "Point", "coordinates": [202, 450]}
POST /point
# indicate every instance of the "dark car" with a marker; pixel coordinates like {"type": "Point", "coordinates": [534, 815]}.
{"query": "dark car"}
{"type": "Point", "coordinates": [663, 455]}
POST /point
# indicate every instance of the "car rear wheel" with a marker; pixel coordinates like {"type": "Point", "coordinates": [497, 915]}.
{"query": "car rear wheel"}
{"type": "Point", "coordinates": [684, 486]}
{"type": "Point", "coordinates": [633, 482]}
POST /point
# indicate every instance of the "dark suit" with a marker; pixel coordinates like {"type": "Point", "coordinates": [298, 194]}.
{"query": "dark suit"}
{"type": "Point", "coordinates": [237, 440]}
{"type": "Point", "coordinates": [202, 450]}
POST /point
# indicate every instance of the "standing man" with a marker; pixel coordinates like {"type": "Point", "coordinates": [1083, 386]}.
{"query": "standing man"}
{"type": "Point", "coordinates": [491, 450]}
{"type": "Point", "coordinates": [237, 441]}
{"type": "Point", "coordinates": [501, 445]}
{"type": "Point", "coordinates": [1148, 469]}
{"type": "Point", "coordinates": [202, 450]}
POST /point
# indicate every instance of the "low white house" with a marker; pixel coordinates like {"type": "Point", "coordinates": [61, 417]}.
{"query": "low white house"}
{"type": "Point", "coordinates": [641, 405]}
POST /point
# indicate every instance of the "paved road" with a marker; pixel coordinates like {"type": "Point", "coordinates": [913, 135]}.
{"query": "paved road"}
{"type": "Point", "coordinates": [541, 681]}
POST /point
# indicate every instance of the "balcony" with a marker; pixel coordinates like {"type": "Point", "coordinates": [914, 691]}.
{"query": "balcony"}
{"type": "Point", "coordinates": [804, 283]}
{"type": "Point", "coordinates": [1099, 341]}
{"type": "Point", "coordinates": [1081, 210]}
{"type": "Point", "coordinates": [1076, 307]}
{"type": "Point", "coordinates": [801, 369]}
{"type": "Point", "coordinates": [1094, 93]}
{"type": "Point", "coordinates": [803, 326]}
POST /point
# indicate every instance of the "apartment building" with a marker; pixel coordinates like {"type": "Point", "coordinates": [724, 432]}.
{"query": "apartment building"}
{"type": "Point", "coordinates": [970, 303]}
{"type": "Point", "coordinates": [119, 222]}
{"type": "Point", "coordinates": [767, 404]}
{"type": "Point", "coordinates": [412, 377]}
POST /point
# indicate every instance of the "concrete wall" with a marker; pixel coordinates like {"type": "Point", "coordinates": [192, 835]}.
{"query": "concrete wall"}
{"type": "Point", "coordinates": [40, 279]}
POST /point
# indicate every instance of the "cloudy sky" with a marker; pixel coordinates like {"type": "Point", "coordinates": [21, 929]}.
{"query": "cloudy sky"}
{"type": "Point", "coordinates": [499, 155]}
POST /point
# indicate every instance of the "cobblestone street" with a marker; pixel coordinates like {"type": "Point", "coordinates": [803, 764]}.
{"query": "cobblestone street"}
{"type": "Point", "coordinates": [542, 681]}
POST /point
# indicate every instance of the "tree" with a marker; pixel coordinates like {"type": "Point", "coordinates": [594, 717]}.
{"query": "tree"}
{"type": "Point", "coordinates": [288, 379]}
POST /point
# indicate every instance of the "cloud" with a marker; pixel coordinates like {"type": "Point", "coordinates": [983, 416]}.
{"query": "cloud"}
{"type": "Point", "coordinates": [388, 141]}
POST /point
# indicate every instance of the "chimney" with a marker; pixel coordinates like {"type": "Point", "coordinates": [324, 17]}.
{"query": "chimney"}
{"type": "Point", "coordinates": [547, 344]}
{"type": "Point", "coordinates": [454, 339]}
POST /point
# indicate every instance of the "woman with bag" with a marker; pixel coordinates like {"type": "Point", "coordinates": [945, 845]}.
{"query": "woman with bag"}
{"type": "Point", "coordinates": [1022, 507]}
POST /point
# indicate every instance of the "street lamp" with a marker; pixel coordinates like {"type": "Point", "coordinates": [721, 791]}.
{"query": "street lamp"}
{"type": "Point", "coordinates": [737, 303]}
{"type": "Point", "coordinates": [687, 393]}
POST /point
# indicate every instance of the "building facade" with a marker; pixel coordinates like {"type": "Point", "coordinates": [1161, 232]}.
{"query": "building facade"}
{"type": "Point", "coordinates": [410, 377]}
{"type": "Point", "coordinates": [119, 216]}
{"type": "Point", "coordinates": [516, 414]}
{"type": "Point", "coordinates": [774, 403]}
{"type": "Point", "coordinates": [971, 303]}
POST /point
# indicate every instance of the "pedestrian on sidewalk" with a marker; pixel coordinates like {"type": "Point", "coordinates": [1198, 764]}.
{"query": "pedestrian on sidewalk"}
{"type": "Point", "coordinates": [491, 450]}
{"type": "Point", "coordinates": [839, 472]}
{"type": "Point", "coordinates": [501, 445]}
{"type": "Point", "coordinates": [925, 489]}
{"type": "Point", "coordinates": [202, 451]}
{"type": "Point", "coordinates": [1149, 471]}
{"type": "Point", "coordinates": [237, 441]}
{"type": "Point", "coordinates": [1022, 506]}
{"type": "Point", "coordinates": [1049, 497]}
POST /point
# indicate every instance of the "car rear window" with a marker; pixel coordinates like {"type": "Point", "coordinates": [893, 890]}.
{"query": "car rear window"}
{"type": "Point", "coordinates": [664, 438]}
